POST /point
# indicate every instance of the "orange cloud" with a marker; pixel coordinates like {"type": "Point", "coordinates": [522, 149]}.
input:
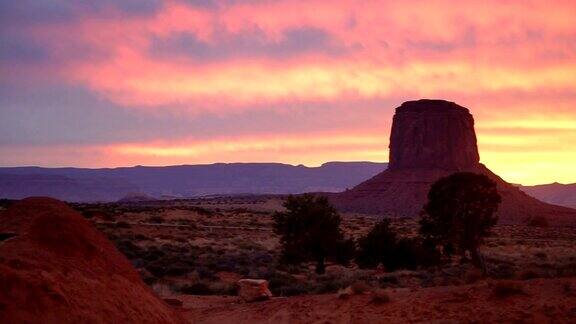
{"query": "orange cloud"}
{"type": "Point", "coordinates": [511, 62]}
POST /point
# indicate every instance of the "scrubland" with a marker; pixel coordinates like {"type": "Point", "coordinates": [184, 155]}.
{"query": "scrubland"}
{"type": "Point", "coordinates": [203, 246]}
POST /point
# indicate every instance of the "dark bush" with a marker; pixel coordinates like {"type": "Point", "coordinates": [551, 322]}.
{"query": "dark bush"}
{"type": "Point", "coordinates": [310, 231]}
{"type": "Point", "coordinates": [378, 246]}
{"type": "Point", "coordinates": [122, 224]}
{"type": "Point", "coordinates": [381, 245]}
{"type": "Point", "coordinates": [460, 212]}
{"type": "Point", "coordinates": [504, 289]}
{"type": "Point", "coordinates": [538, 221]}
{"type": "Point", "coordinates": [129, 249]}
{"type": "Point", "coordinates": [379, 297]}
{"type": "Point", "coordinates": [155, 220]}
{"type": "Point", "coordinates": [196, 289]}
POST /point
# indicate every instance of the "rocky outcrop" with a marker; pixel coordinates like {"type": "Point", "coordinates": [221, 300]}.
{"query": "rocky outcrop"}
{"type": "Point", "coordinates": [433, 134]}
{"type": "Point", "coordinates": [432, 139]}
{"type": "Point", "coordinates": [56, 268]}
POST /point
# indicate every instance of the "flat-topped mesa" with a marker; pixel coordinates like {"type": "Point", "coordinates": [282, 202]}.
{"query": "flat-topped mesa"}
{"type": "Point", "coordinates": [433, 134]}
{"type": "Point", "coordinates": [432, 139]}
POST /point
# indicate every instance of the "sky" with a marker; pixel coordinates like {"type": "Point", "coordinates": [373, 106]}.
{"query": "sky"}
{"type": "Point", "coordinates": [148, 82]}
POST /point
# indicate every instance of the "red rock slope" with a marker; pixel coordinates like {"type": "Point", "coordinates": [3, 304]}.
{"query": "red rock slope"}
{"type": "Point", "coordinates": [57, 268]}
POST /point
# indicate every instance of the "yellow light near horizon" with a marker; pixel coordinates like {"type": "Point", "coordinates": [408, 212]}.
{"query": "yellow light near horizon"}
{"type": "Point", "coordinates": [530, 151]}
{"type": "Point", "coordinates": [209, 148]}
{"type": "Point", "coordinates": [532, 168]}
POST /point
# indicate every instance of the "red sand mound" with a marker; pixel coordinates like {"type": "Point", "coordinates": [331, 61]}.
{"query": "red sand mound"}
{"type": "Point", "coordinates": [56, 268]}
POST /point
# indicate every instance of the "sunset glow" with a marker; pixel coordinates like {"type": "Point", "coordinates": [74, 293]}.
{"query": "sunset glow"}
{"type": "Point", "coordinates": [302, 82]}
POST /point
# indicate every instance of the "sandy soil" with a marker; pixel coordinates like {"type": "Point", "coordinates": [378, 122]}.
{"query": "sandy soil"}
{"type": "Point", "coordinates": [541, 301]}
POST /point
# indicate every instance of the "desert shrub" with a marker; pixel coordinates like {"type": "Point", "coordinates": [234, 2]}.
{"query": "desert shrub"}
{"type": "Point", "coordinates": [198, 288]}
{"type": "Point", "coordinates": [460, 212]}
{"type": "Point", "coordinates": [156, 269]}
{"type": "Point", "coordinates": [388, 281]}
{"type": "Point", "coordinates": [472, 276]}
{"type": "Point", "coordinates": [122, 224]}
{"type": "Point", "coordinates": [381, 245]}
{"type": "Point", "coordinates": [567, 270]}
{"type": "Point", "coordinates": [360, 287]}
{"type": "Point", "coordinates": [380, 296]}
{"type": "Point", "coordinates": [246, 244]}
{"type": "Point", "coordinates": [377, 246]}
{"type": "Point", "coordinates": [205, 272]}
{"type": "Point", "coordinates": [537, 221]}
{"type": "Point", "coordinates": [183, 221]}
{"type": "Point", "coordinates": [129, 249]}
{"type": "Point", "coordinates": [327, 286]}
{"type": "Point", "coordinates": [6, 203]}
{"type": "Point", "coordinates": [153, 254]}
{"type": "Point", "coordinates": [505, 288]}
{"type": "Point", "coordinates": [177, 268]}
{"type": "Point", "coordinates": [298, 288]}
{"type": "Point", "coordinates": [344, 293]}
{"type": "Point", "coordinates": [141, 237]}
{"type": "Point", "coordinates": [155, 219]}
{"type": "Point", "coordinates": [282, 284]}
{"type": "Point", "coordinates": [310, 231]}
{"type": "Point", "coordinates": [223, 288]}
{"type": "Point", "coordinates": [528, 274]}
{"type": "Point", "coordinates": [541, 255]}
{"type": "Point", "coordinates": [501, 269]}
{"type": "Point", "coordinates": [567, 288]}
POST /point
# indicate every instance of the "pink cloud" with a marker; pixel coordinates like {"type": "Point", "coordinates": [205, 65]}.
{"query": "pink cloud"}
{"type": "Point", "coordinates": [511, 62]}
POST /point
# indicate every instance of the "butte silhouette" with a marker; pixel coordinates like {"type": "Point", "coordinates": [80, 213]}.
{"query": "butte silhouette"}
{"type": "Point", "coordinates": [431, 139]}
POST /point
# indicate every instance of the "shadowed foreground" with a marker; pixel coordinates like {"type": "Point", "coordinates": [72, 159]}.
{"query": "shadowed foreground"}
{"type": "Point", "coordinates": [539, 301]}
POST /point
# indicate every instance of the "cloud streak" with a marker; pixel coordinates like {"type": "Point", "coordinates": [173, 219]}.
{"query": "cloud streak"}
{"type": "Point", "coordinates": [139, 72]}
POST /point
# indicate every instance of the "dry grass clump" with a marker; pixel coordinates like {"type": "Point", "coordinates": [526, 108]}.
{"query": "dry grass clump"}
{"type": "Point", "coordinates": [538, 221]}
{"type": "Point", "coordinates": [529, 274]}
{"type": "Point", "coordinates": [567, 289]}
{"type": "Point", "coordinates": [380, 296]}
{"type": "Point", "coordinates": [360, 287]}
{"type": "Point", "coordinates": [505, 288]}
{"type": "Point", "coordinates": [472, 276]}
{"type": "Point", "coordinates": [356, 288]}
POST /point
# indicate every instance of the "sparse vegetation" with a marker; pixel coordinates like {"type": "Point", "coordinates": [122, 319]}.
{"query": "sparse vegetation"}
{"type": "Point", "coordinates": [309, 230]}
{"type": "Point", "coordinates": [178, 256]}
{"type": "Point", "coordinates": [360, 287]}
{"type": "Point", "coordinates": [538, 221]}
{"type": "Point", "coordinates": [460, 213]}
{"type": "Point", "coordinates": [380, 296]}
{"type": "Point", "coordinates": [505, 288]}
{"type": "Point", "coordinates": [382, 246]}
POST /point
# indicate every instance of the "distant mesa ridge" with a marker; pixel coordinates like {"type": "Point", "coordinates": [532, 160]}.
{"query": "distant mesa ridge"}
{"type": "Point", "coordinates": [181, 181]}
{"type": "Point", "coordinates": [431, 139]}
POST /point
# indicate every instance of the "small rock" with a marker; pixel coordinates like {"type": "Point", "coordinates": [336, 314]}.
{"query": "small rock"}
{"type": "Point", "coordinates": [173, 302]}
{"type": "Point", "coordinates": [251, 290]}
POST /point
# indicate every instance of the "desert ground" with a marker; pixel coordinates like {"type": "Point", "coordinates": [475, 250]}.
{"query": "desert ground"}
{"type": "Point", "coordinates": [196, 250]}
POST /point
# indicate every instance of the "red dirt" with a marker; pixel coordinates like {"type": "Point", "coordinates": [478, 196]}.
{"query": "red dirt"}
{"type": "Point", "coordinates": [59, 269]}
{"type": "Point", "coordinates": [540, 301]}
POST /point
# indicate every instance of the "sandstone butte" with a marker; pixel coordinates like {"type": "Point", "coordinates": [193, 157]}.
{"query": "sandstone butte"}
{"type": "Point", "coordinates": [56, 268]}
{"type": "Point", "coordinates": [431, 139]}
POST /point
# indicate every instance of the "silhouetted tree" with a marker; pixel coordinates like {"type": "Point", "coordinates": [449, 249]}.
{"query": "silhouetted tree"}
{"type": "Point", "coordinates": [460, 212]}
{"type": "Point", "coordinates": [382, 245]}
{"type": "Point", "coordinates": [310, 231]}
{"type": "Point", "coordinates": [377, 246]}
